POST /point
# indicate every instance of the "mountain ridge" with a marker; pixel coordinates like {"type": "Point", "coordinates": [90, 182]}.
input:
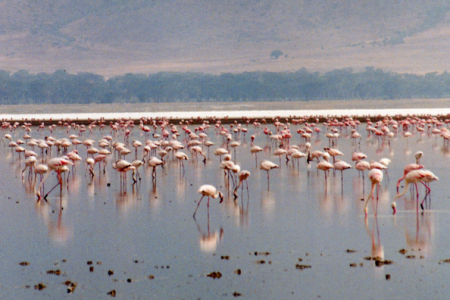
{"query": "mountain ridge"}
{"type": "Point", "coordinates": [114, 37]}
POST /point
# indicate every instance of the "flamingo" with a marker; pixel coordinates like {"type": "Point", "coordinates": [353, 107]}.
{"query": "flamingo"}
{"type": "Point", "coordinates": [29, 163]}
{"type": "Point", "coordinates": [415, 176]}
{"type": "Point", "coordinates": [255, 150]}
{"type": "Point", "coordinates": [56, 164]}
{"type": "Point", "coordinates": [406, 170]}
{"type": "Point", "coordinates": [362, 166]}
{"type": "Point", "coordinates": [267, 165]}
{"type": "Point", "coordinates": [418, 156]}
{"type": "Point", "coordinates": [333, 152]}
{"type": "Point", "coordinates": [220, 151]}
{"type": "Point", "coordinates": [375, 176]}
{"type": "Point", "coordinates": [154, 162]}
{"type": "Point", "coordinates": [181, 156]}
{"type": "Point", "coordinates": [210, 191]}
{"type": "Point", "coordinates": [324, 165]}
{"type": "Point", "coordinates": [122, 166]}
{"type": "Point", "coordinates": [341, 166]}
{"type": "Point", "coordinates": [243, 175]}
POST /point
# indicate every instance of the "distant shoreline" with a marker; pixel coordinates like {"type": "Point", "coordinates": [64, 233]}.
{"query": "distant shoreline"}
{"type": "Point", "coordinates": [230, 111]}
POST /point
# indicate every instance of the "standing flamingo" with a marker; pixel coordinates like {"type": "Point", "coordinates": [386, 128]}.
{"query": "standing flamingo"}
{"type": "Point", "coordinates": [341, 166]}
{"type": "Point", "coordinates": [415, 176]}
{"type": "Point", "coordinates": [210, 191]}
{"type": "Point", "coordinates": [255, 150]}
{"type": "Point", "coordinates": [154, 162]}
{"type": "Point", "coordinates": [267, 166]}
{"type": "Point", "coordinates": [324, 165]}
{"type": "Point", "coordinates": [375, 176]}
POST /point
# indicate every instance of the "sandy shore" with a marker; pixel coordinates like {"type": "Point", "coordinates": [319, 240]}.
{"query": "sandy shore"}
{"type": "Point", "coordinates": [227, 111]}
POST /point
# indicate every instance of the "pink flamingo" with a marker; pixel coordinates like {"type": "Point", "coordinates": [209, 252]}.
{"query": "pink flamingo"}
{"type": "Point", "coordinates": [210, 191]}
{"type": "Point", "coordinates": [267, 166]}
{"type": "Point", "coordinates": [242, 175]}
{"type": "Point", "coordinates": [341, 166]}
{"type": "Point", "coordinates": [154, 162]}
{"type": "Point", "coordinates": [415, 176]}
{"type": "Point", "coordinates": [58, 165]}
{"type": "Point", "coordinates": [408, 168]}
{"type": "Point", "coordinates": [375, 176]}
{"type": "Point", "coordinates": [325, 166]}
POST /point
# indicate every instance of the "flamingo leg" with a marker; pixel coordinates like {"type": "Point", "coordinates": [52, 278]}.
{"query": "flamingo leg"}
{"type": "Point", "coordinates": [370, 195]}
{"type": "Point", "coordinates": [198, 206]}
{"type": "Point", "coordinates": [427, 193]}
{"type": "Point", "coordinates": [45, 197]}
{"type": "Point", "coordinates": [38, 193]}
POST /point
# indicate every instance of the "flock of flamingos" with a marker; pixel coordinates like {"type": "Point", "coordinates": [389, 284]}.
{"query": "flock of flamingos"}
{"type": "Point", "coordinates": [164, 140]}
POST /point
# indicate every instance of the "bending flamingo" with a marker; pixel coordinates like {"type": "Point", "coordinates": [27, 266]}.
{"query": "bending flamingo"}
{"type": "Point", "coordinates": [375, 176]}
{"type": "Point", "coordinates": [415, 176]}
{"type": "Point", "coordinates": [210, 191]}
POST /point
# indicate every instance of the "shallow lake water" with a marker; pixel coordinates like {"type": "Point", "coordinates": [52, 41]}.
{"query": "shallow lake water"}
{"type": "Point", "coordinates": [298, 238]}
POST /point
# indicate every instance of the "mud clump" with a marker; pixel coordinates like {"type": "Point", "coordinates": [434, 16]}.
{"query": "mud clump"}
{"type": "Point", "coordinates": [40, 286]}
{"type": "Point", "coordinates": [70, 286]}
{"type": "Point", "coordinates": [302, 267]}
{"type": "Point", "coordinates": [215, 275]}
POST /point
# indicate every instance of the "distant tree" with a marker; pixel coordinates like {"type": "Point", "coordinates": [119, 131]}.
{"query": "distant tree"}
{"type": "Point", "coordinates": [276, 53]}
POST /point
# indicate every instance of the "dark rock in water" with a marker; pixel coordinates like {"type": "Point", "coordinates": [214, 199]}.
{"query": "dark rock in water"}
{"type": "Point", "coordinates": [110, 272]}
{"type": "Point", "coordinates": [379, 262]}
{"type": "Point", "coordinates": [56, 272]}
{"type": "Point", "coordinates": [70, 286]}
{"type": "Point", "coordinates": [215, 275]}
{"type": "Point", "coordinates": [40, 286]}
{"type": "Point", "coordinates": [112, 293]}
{"type": "Point", "coordinates": [302, 267]}
{"type": "Point", "coordinates": [238, 272]}
{"type": "Point", "coordinates": [402, 251]}
{"type": "Point", "coordinates": [236, 294]}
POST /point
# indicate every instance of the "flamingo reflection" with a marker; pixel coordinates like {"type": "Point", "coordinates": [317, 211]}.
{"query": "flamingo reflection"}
{"type": "Point", "coordinates": [418, 237]}
{"type": "Point", "coordinates": [377, 250]}
{"type": "Point", "coordinates": [208, 241]}
{"type": "Point", "coordinates": [57, 231]}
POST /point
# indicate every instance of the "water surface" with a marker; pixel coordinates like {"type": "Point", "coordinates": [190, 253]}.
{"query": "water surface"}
{"type": "Point", "coordinates": [300, 238]}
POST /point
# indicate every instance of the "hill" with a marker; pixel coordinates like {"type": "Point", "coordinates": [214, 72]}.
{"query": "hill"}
{"type": "Point", "coordinates": [139, 36]}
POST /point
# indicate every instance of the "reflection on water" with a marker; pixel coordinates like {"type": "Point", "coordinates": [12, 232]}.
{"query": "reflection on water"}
{"type": "Point", "coordinates": [208, 240]}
